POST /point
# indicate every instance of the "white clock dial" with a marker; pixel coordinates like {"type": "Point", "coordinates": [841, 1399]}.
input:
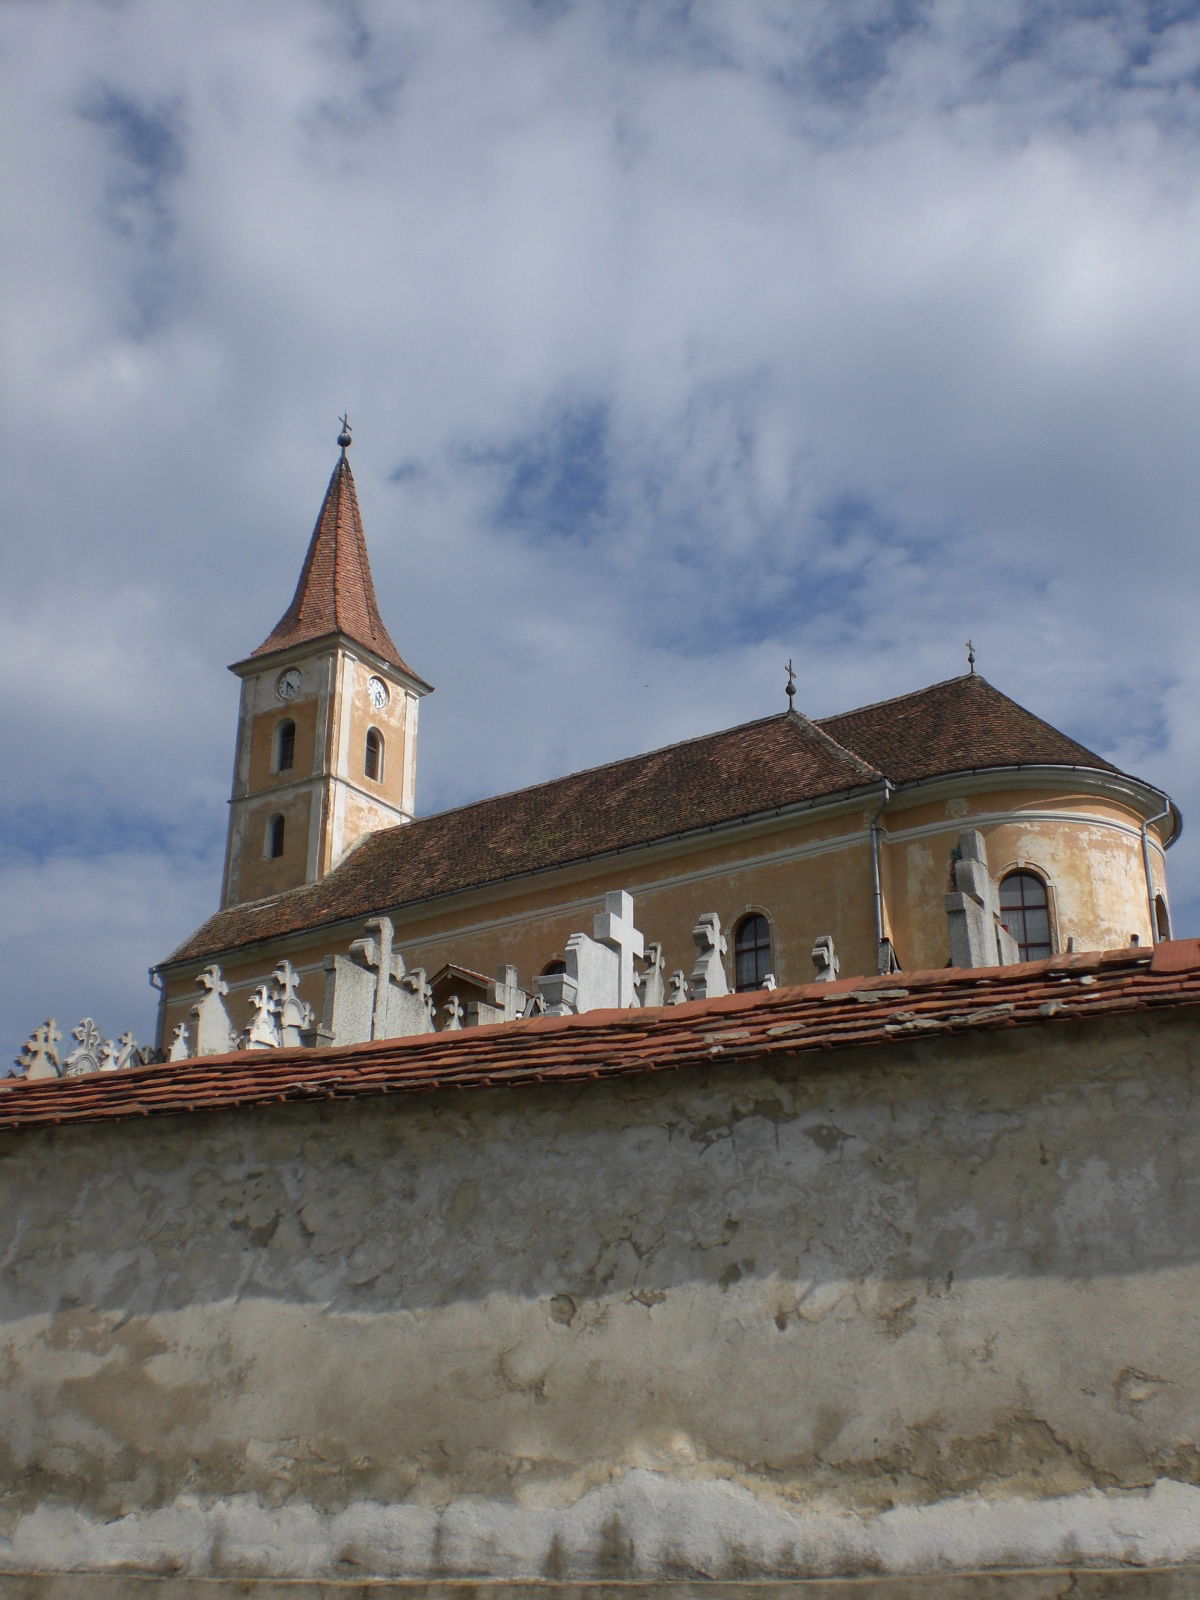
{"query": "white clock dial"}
{"type": "Point", "coordinates": [287, 684]}
{"type": "Point", "coordinates": [378, 690]}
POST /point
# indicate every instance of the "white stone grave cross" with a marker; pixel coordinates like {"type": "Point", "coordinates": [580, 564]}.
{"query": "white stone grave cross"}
{"type": "Point", "coordinates": [263, 1032]}
{"type": "Point", "coordinates": [708, 974]}
{"type": "Point", "coordinates": [39, 1058]}
{"type": "Point", "coordinates": [88, 1052]}
{"type": "Point", "coordinates": [615, 928]}
{"type": "Point", "coordinates": [215, 1033]}
{"type": "Point", "coordinates": [454, 1015]}
{"type": "Point", "coordinates": [295, 1015]}
{"type": "Point", "coordinates": [824, 960]}
{"type": "Point", "coordinates": [180, 1049]}
{"type": "Point", "coordinates": [651, 980]}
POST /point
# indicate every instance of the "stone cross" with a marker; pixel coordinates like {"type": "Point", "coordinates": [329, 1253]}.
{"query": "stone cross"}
{"type": "Point", "coordinates": [824, 959]}
{"type": "Point", "coordinates": [454, 1015]}
{"type": "Point", "coordinates": [651, 980]}
{"type": "Point", "coordinates": [180, 1049]}
{"type": "Point", "coordinates": [88, 1052]}
{"type": "Point", "coordinates": [129, 1052]}
{"type": "Point", "coordinates": [678, 989]}
{"type": "Point", "coordinates": [295, 1015]}
{"type": "Point", "coordinates": [263, 1032]}
{"type": "Point", "coordinates": [39, 1058]}
{"type": "Point", "coordinates": [614, 927]}
{"type": "Point", "coordinates": [505, 1000]}
{"type": "Point", "coordinates": [708, 974]}
{"type": "Point", "coordinates": [215, 1033]}
{"type": "Point", "coordinates": [110, 1057]}
{"type": "Point", "coordinates": [977, 936]}
{"type": "Point", "coordinates": [370, 995]}
{"type": "Point", "coordinates": [769, 981]}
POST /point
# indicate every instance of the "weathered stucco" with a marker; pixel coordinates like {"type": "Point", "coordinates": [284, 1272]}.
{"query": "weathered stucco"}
{"type": "Point", "coordinates": [931, 1308]}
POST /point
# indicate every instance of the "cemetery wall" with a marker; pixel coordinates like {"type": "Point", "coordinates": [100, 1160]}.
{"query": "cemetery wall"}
{"type": "Point", "coordinates": [927, 1308]}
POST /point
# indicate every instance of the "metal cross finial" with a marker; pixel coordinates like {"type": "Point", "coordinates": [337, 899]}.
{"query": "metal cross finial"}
{"type": "Point", "coordinates": [344, 436]}
{"type": "Point", "coordinates": [971, 655]}
{"type": "Point", "coordinates": [791, 686]}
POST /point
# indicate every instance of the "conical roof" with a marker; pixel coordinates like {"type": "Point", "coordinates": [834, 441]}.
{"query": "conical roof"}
{"type": "Point", "coordinates": [336, 593]}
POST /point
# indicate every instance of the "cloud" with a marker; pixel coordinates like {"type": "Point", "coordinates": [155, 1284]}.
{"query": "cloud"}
{"type": "Point", "coordinates": [678, 340]}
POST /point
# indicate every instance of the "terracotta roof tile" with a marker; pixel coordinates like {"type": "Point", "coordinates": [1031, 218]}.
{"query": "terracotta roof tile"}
{"type": "Point", "coordinates": [780, 761]}
{"type": "Point", "coordinates": [336, 593]}
{"type": "Point", "coordinates": [955, 726]}
{"type": "Point", "coordinates": [854, 1012]}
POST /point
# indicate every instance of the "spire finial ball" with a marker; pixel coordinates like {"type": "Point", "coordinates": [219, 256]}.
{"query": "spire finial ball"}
{"type": "Point", "coordinates": [344, 436]}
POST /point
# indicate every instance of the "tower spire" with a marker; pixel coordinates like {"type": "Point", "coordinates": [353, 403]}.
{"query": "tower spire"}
{"type": "Point", "coordinates": [336, 592]}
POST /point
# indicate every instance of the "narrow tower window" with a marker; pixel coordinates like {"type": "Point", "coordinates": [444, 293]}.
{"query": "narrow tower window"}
{"type": "Point", "coordinates": [285, 745]}
{"type": "Point", "coordinates": [275, 830]}
{"type": "Point", "coordinates": [1025, 912]}
{"type": "Point", "coordinates": [373, 760]}
{"type": "Point", "coordinates": [751, 952]}
{"type": "Point", "coordinates": [1162, 918]}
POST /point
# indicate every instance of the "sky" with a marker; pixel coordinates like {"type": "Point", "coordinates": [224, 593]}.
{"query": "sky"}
{"type": "Point", "coordinates": [679, 338]}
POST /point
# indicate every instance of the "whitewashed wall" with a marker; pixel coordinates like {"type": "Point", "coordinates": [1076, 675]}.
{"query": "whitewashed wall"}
{"type": "Point", "coordinates": [929, 1308]}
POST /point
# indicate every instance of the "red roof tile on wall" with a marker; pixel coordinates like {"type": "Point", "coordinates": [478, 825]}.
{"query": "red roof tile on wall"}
{"type": "Point", "coordinates": [816, 1018]}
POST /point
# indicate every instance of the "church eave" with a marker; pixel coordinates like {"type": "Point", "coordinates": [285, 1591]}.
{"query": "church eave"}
{"type": "Point", "coordinates": [297, 650]}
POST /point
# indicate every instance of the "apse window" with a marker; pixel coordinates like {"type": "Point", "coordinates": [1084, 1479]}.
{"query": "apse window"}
{"type": "Point", "coordinates": [373, 758]}
{"type": "Point", "coordinates": [752, 952]}
{"type": "Point", "coordinates": [275, 831]}
{"type": "Point", "coordinates": [285, 745]}
{"type": "Point", "coordinates": [1025, 912]}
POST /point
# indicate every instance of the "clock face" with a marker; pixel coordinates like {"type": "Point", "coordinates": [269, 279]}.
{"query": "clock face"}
{"type": "Point", "coordinates": [287, 684]}
{"type": "Point", "coordinates": [378, 690]}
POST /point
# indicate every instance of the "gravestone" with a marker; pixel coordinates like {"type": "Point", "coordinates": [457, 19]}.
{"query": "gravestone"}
{"type": "Point", "coordinates": [215, 1033]}
{"type": "Point", "coordinates": [295, 1015]}
{"type": "Point", "coordinates": [977, 936]}
{"type": "Point", "coordinates": [708, 973]}
{"type": "Point", "coordinates": [263, 1032]}
{"type": "Point", "coordinates": [39, 1058]}
{"type": "Point", "coordinates": [826, 965]}
{"type": "Point", "coordinates": [677, 989]}
{"type": "Point", "coordinates": [180, 1049]}
{"type": "Point", "coordinates": [371, 995]}
{"type": "Point", "coordinates": [88, 1052]}
{"type": "Point", "coordinates": [652, 985]}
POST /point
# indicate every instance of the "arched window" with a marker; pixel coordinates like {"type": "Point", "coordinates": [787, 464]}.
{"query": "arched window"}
{"type": "Point", "coordinates": [751, 952]}
{"type": "Point", "coordinates": [1025, 912]}
{"type": "Point", "coordinates": [552, 967]}
{"type": "Point", "coordinates": [285, 745]}
{"type": "Point", "coordinates": [1162, 918]}
{"type": "Point", "coordinates": [373, 758]}
{"type": "Point", "coordinates": [275, 829]}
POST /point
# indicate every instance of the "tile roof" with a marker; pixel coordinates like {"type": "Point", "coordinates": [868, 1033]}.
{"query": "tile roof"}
{"type": "Point", "coordinates": [782, 760]}
{"type": "Point", "coordinates": [817, 1017]}
{"type": "Point", "coordinates": [955, 726]}
{"type": "Point", "coordinates": [336, 593]}
{"type": "Point", "coordinates": [757, 767]}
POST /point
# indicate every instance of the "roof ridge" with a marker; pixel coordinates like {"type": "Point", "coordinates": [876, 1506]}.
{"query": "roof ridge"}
{"type": "Point", "coordinates": [911, 694]}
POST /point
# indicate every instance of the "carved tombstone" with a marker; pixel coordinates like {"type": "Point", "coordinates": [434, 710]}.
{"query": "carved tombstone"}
{"type": "Point", "coordinates": [263, 1032]}
{"type": "Point", "coordinates": [598, 972]}
{"type": "Point", "coordinates": [652, 983]}
{"type": "Point", "coordinates": [505, 1002]}
{"type": "Point", "coordinates": [295, 1015]}
{"type": "Point", "coordinates": [180, 1049]}
{"type": "Point", "coordinates": [89, 1050]}
{"type": "Point", "coordinates": [39, 1058]}
{"type": "Point", "coordinates": [677, 989]}
{"type": "Point", "coordinates": [371, 995]}
{"type": "Point", "coordinates": [708, 973]}
{"type": "Point", "coordinates": [826, 965]}
{"type": "Point", "coordinates": [215, 1033]}
{"type": "Point", "coordinates": [977, 936]}
{"type": "Point", "coordinates": [454, 1015]}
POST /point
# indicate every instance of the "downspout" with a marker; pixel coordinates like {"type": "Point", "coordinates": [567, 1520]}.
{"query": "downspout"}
{"type": "Point", "coordinates": [1146, 826]}
{"type": "Point", "coordinates": [160, 983]}
{"type": "Point", "coordinates": [877, 882]}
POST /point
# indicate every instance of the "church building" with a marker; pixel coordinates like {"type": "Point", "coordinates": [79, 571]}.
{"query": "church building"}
{"type": "Point", "coordinates": [788, 829]}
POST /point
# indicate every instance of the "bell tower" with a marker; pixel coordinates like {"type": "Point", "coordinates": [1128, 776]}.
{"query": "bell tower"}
{"type": "Point", "coordinates": [327, 727]}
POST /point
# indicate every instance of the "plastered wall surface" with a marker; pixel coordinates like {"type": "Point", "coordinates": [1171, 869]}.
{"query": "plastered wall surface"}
{"type": "Point", "coordinates": [932, 1309]}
